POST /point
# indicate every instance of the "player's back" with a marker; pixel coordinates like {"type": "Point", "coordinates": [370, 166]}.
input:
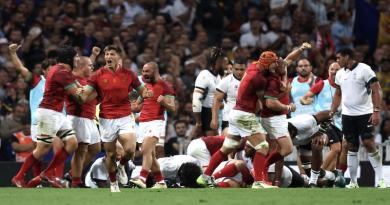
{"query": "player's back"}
{"type": "Point", "coordinates": [252, 82]}
{"type": "Point", "coordinates": [58, 79]}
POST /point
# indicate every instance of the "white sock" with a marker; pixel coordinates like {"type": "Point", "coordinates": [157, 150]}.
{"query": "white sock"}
{"type": "Point", "coordinates": [353, 163]}
{"type": "Point", "coordinates": [376, 163]}
{"type": "Point", "coordinates": [329, 175]}
{"type": "Point", "coordinates": [314, 177]}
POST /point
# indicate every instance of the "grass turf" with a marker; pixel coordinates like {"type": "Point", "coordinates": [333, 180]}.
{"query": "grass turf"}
{"type": "Point", "coordinates": [194, 196]}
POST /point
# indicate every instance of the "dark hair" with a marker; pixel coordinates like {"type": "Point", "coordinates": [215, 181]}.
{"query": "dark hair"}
{"type": "Point", "coordinates": [214, 54]}
{"type": "Point", "coordinates": [346, 52]}
{"type": "Point", "coordinates": [112, 48]}
{"type": "Point", "coordinates": [47, 63]}
{"type": "Point", "coordinates": [188, 173]}
{"type": "Point", "coordinates": [178, 122]}
{"type": "Point", "coordinates": [66, 54]}
{"type": "Point", "coordinates": [240, 61]}
{"type": "Point", "coordinates": [26, 120]}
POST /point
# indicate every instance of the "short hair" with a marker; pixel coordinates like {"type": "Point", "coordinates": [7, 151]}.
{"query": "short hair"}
{"type": "Point", "coordinates": [47, 63]}
{"type": "Point", "coordinates": [178, 122]}
{"type": "Point", "coordinates": [240, 61]}
{"type": "Point", "coordinates": [346, 52]}
{"type": "Point", "coordinates": [188, 173]}
{"type": "Point", "coordinates": [112, 48]}
{"type": "Point", "coordinates": [66, 53]}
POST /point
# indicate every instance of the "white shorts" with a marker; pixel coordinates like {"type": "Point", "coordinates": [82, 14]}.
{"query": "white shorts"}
{"type": "Point", "coordinates": [50, 122]}
{"type": "Point", "coordinates": [110, 129]}
{"type": "Point", "coordinates": [276, 126]}
{"type": "Point", "coordinates": [237, 177]}
{"type": "Point", "coordinates": [198, 149]}
{"type": "Point", "coordinates": [86, 129]}
{"type": "Point", "coordinates": [244, 124]}
{"type": "Point", "coordinates": [34, 132]}
{"type": "Point", "coordinates": [155, 128]}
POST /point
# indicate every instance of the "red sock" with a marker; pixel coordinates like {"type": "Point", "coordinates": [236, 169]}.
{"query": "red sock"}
{"type": "Point", "coordinates": [76, 181]}
{"type": "Point", "coordinates": [246, 176]}
{"type": "Point", "coordinates": [57, 163]}
{"type": "Point", "coordinates": [37, 168]}
{"type": "Point", "coordinates": [229, 170]}
{"type": "Point", "coordinates": [343, 167]}
{"type": "Point", "coordinates": [272, 158]}
{"type": "Point", "coordinates": [223, 185]}
{"type": "Point", "coordinates": [27, 165]}
{"type": "Point", "coordinates": [112, 176]}
{"type": "Point", "coordinates": [258, 164]}
{"type": "Point", "coordinates": [144, 175]}
{"type": "Point", "coordinates": [215, 160]}
{"type": "Point", "coordinates": [158, 176]}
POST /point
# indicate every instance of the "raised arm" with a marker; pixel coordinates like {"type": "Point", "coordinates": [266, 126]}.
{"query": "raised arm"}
{"type": "Point", "coordinates": [95, 53]}
{"type": "Point", "coordinates": [295, 54]}
{"type": "Point", "coordinates": [26, 74]}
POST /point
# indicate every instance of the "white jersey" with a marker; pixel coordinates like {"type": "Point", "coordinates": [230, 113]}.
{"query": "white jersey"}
{"type": "Point", "coordinates": [355, 88]}
{"type": "Point", "coordinates": [229, 85]}
{"type": "Point", "coordinates": [286, 178]}
{"type": "Point", "coordinates": [169, 166]}
{"type": "Point", "coordinates": [207, 82]}
{"type": "Point", "coordinates": [306, 126]}
{"type": "Point", "coordinates": [98, 171]}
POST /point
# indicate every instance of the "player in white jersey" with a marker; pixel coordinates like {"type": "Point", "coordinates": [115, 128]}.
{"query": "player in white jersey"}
{"type": "Point", "coordinates": [203, 95]}
{"type": "Point", "coordinates": [226, 91]}
{"type": "Point", "coordinates": [308, 132]}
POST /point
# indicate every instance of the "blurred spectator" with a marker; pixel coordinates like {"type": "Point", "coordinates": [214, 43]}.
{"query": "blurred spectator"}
{"type": "Point", "coordinates": [13, 122]}
{"type": "Point", "coordinates": [21, 141]}
{"type": "Point", "coordinates": [342, 31]}
{"type": "Point", "coordinates": [178, 144]}
{"type": "Point", "coordinates": [184, 11]}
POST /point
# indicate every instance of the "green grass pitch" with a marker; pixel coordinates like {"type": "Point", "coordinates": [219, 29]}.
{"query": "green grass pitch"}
{"type": "Point", "coordinates": [14, 196]}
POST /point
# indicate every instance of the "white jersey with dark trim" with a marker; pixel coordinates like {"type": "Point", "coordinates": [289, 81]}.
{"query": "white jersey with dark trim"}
{"type": "Point", "coordinates": [169, 166]}
{"type": "Point", "coordinates": [207, 82]}
{"type": "Point", "coordinates": [229, 86]}
{"type": "Point", "coordinates": [306, 127]}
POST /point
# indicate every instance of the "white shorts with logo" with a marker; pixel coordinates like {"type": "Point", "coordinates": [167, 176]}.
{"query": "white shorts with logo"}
{"type": "Point", "coordinates": [244, 124]}
{"type": "Point", "coordinates": [276, 126]}
{"type": "Point", "coordinates": [86, 129]}
{"type": "Point", "coordinates": [154, 128]}
{"type": "Point", "coordinates": [110, 129]}
{"type": "Point", "coordinates": [50, 122]}
{"type": "Point", "coordinates": [198, 149]}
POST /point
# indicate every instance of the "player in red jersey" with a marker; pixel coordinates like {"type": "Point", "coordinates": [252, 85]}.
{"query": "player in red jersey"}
{"type": "Point", "coordinates": [51, 121]}
{"type": "Point", "coordinates": [113, 83]}
{"type": "Point", "coordinates": [152, 123]}
{"type": "Point", "coordinates": [82, 118]}
{"type": "Point", "coordinates": [243, 121]}
{"type": "Point", "coordinates": [276, 106]}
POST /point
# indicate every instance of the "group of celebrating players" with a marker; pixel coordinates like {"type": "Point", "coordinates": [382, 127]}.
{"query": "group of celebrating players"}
{"type": "Point", "coordinates": [255, 133]}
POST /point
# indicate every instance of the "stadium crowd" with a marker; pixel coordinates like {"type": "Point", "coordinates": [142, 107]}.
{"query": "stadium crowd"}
{"type": "Point", "coordinates": [181, 40]}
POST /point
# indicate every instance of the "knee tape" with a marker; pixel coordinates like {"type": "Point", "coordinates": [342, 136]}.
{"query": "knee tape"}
{"type": "Point", "coordinates": [64, 135]}
{"type": "Point", "coordinates": [261, 145]}
{"type": "Point", "coordinates": [231, 144]}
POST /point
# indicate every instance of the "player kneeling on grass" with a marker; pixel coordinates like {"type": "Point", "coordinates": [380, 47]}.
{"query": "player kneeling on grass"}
{"type": "Point", "coordinates": [309, 133]}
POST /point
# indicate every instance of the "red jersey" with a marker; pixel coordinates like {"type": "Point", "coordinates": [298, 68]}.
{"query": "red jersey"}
{"type": "Point", "coordinates": [57, 80]}
{"type": "Point", "coordinates": [273, 90]}
{"type": "Point", "coordinates": [34, 81]}
{"type": "Point", "coordinates": [317, 87]}
{"type": "Point", "coordinates": [213, 143]}
{"type": "Point", "coordinates": [113, 88]}
{"type": "Point", "coordinates": [253, 80]}
{"type": "Point", "coordinates": [151, 109]}
{"type": "Point", "coordinates": [86, 110]}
